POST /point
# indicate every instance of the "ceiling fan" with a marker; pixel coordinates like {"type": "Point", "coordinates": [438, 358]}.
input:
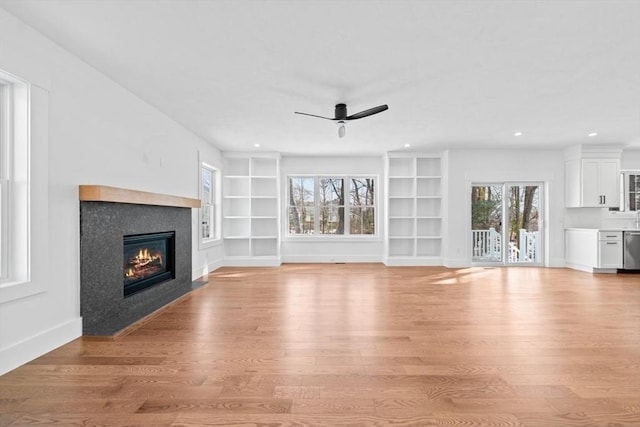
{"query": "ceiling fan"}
{"type": "Point", "coordinates": [341, 115]}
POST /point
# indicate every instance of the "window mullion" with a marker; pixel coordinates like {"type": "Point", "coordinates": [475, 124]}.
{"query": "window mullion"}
{"type": "Point", "coordinates": [316, 205]}
{"type": "Point", "coordinates": [346, 188]}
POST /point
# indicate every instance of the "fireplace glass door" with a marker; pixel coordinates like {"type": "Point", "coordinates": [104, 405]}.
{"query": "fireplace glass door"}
{"type": "Point", "coordinates": [148, 259]}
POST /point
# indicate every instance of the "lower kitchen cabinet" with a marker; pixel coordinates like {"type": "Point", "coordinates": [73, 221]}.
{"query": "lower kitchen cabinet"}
{"type": "Point", "coordinates": [610, 249]}
{"type": "Point", "coordinates": [592, 250]}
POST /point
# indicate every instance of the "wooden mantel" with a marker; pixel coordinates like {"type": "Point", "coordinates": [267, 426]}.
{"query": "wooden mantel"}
{"type": "Point", "coordinates": [102, 193]}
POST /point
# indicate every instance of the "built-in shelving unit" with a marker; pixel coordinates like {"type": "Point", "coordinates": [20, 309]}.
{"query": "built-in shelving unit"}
{"type": "Point", "coordinates": [251, 219]}
{"type": "Point", "coordinates": [414, 209]}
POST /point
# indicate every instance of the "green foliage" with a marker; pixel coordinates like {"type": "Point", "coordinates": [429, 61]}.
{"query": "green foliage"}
{"type": "Point", "coordinates": [485, 214]}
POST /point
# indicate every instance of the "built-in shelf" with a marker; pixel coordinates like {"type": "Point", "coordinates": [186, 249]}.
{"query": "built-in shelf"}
{"type": "Point", "coordinates": [414, 208]}
{"type": "Point", "coordinates": [251, 225]}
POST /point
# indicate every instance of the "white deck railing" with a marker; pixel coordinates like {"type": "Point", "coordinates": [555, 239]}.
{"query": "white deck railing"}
{"type": "Point", "coordinates": [487, 246]}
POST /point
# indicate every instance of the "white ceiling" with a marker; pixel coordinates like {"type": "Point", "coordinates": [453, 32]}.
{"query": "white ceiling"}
{"type": "Point", "coordinates": [454, 73]}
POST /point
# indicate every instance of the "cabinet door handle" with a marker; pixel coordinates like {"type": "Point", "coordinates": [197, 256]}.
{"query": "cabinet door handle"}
{"type": "Point", "coordinates": [600, 200]}
{"type": "Point", "coordinates": [604, 200]}
{"type": "Point", "coordinates": [612, 243]}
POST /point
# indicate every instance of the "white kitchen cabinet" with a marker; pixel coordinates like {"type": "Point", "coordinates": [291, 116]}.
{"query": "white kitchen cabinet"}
{"type": "Point", "coordinates": [592, 183]}
{"type": "Point", "coordinates": [592, 176]}
{"type": "Point", "coordinates": [593, 250]}
{"type": "Point", "coordinates": [610, 250]}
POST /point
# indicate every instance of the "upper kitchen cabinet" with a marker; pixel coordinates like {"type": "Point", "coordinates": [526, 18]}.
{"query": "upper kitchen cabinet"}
{"type": "Point", "coordinates": [592, 177]}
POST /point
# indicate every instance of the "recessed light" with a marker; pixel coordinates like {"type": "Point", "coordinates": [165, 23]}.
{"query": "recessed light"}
{"type": "Point", "coordinates": [593, 134]}
{"type": "Point", "coordinates": [407, 145]}
{"type": "Point", "coordinates": [517, 134]}
{"type": "Point", "coordinates": [256, 145]}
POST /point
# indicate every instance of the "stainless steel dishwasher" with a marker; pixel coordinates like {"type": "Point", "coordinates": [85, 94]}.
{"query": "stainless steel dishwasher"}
{"type": "Point", "coordinates": [631, 250]}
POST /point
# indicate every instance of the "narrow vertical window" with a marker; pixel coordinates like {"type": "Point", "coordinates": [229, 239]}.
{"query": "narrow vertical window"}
{"type": "Point", "coordinates": [209, 229]}
{"type": "Point", "coordinates": [362, 202]}
{"type": "Point", "coordinates": [5, 153]}
{"type": "Point", "coordinates": [14, 179]}
{"type": "Point", "coordinates": [301, 205]}
{"type": "Point", "coordinates": [634, 192]}
{"type": "Point", "coordinates": [332, 205]}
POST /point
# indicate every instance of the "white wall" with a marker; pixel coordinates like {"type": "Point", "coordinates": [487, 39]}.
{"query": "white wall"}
{"type": "Point", "coordinates": [483, 166]}
{"type": "Point", "coordinates": [630, 159]}
{"type": "Point", "coordinates": [99, 133]}
{"type": "Point", "coordinates": [333, 248]}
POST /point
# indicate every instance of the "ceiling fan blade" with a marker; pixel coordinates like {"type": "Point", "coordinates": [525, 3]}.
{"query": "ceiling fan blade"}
{"type": "Point", "coordinates": [369, 112]}
{"type": "Point", "coordinates": [313, 115]}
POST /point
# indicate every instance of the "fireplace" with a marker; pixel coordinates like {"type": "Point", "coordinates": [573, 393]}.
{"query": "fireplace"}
{"type": "Point", "coordinates": [148, 259]}
{"type": "Point", "coordinates": [116, 224]}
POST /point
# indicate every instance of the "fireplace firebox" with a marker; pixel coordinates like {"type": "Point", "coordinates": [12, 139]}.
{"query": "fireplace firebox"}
{"type": "Point", "coordinates": [148, 260]}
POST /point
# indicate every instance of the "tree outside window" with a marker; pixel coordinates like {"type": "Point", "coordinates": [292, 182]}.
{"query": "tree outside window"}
{"type": "Point", "coordinates": [301, 205]}
{"type": "Point", "coordinates": [331, 205]}
{"type": "Point", "coordinates": [362, 202]}
{"type": "Point", "coordinates": [331, 217]}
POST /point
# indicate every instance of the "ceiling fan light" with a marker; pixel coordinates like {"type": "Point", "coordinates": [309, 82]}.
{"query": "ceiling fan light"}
{"type": "Point", "coordinates": [342, 130]}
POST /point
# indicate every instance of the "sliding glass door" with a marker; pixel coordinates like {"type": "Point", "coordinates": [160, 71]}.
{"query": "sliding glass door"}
{"type": "Point", "coordinates": [486, 223]}
{"type": "Point", "coordinates": [506, 223]}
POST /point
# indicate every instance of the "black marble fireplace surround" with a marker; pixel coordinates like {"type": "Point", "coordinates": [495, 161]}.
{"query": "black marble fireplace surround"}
{"type": "Point", "coordinates": [103, 307]}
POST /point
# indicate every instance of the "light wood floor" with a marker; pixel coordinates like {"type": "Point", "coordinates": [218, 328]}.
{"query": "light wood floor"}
{"type": "Point", "coordinates": [338, 345]}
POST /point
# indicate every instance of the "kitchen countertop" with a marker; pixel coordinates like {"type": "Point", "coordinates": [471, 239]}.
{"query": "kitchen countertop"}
{"type": "Point", "coordinates": [605, 229]}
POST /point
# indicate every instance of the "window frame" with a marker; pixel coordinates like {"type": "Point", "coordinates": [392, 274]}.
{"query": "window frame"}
{"type": "Point", "coordinates": [213, 203]}
{"type": "Point", "coordinates": [625, 197]}
{"type": "Point", "coordinates": [347, 235]}
{"type": "Point", "coordinates": [15, 183]}
{"type": "Point", "coordinates": [623, 209]}
{"type": "Point", "coordinates": [6, 125]}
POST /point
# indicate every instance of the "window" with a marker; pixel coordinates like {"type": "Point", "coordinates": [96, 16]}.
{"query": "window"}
{"type": "Point", "coordinates": [5, 132]}
{"type": "Point", "coordinates": [331, 205]}
{"type": "Point", "coordinates": [632, 191]}
{"type": "Point", "coordinates": [209, 224]}
{"type": "Point", "coordinates": [14, 179]}
{"type": "Point", "coordinates": [629, 192]}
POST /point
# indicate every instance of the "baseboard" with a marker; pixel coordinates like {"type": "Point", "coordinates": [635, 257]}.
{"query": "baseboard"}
{"type": "Point", "coordinates": [589, 269]}
{"type": "Point", "coordinates": [203, 271]}
{"type": "Point", "coordinates": [580, 267]}
{"type": "Point", "coordinates": [213, 266]}
{"type": "Point", "coordinates": [331, 259]}
{"type": "Point", "coordinates": [413, 262]}
{"type": "Point", "coordinates": [456, 263]}
{"type": "Point", "coordinates": [251, 262]}
{"type": "Point", "coordinates": [28, 349]}
{"type": "Point", "coordinates": [557, 263]}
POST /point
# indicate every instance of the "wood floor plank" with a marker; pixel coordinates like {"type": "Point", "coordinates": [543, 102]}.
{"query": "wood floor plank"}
{"type": "Point", "coordinates": [356, 345]}
{"type": "Point", "coordinates": [216, 406]}
{"type": "Point", "coordinates": [333, 406]}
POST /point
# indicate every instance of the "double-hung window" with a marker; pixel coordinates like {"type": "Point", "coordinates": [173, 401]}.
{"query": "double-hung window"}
{"type": "Point", "coordinates": [14, 179]}
{"type": "Point", "coordinates": [209, 182]}
{"type": "Point", "coordinates": [331, 205]}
